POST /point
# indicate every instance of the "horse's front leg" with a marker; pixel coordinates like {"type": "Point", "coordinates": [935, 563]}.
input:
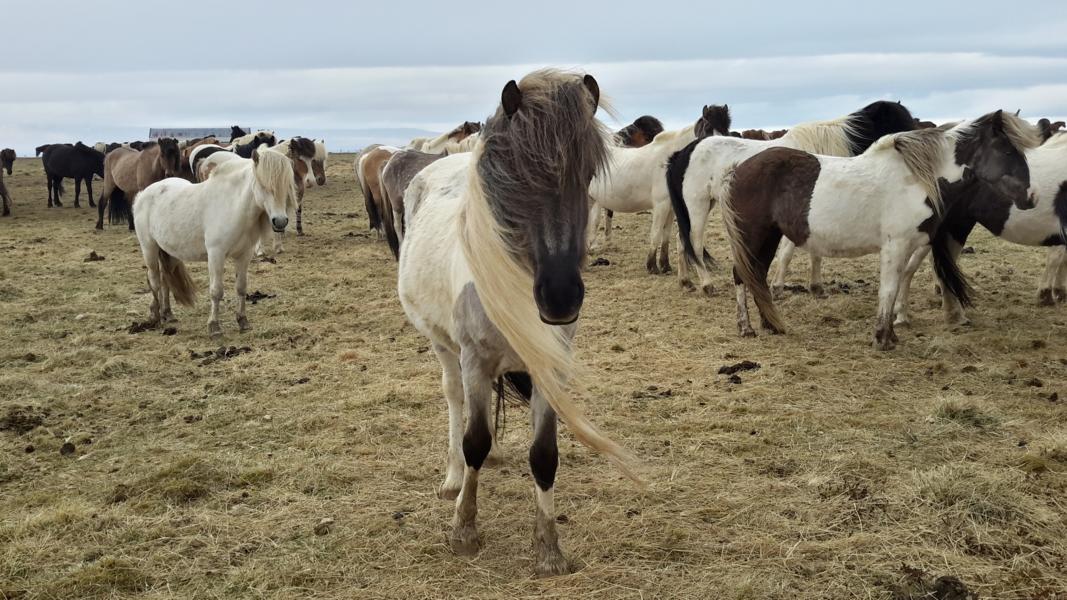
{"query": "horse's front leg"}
{"type": "Point", "coordinates": [1052, 288]}
{"type": "Point", "coordinates": [89, 190]}
{"type": "Point", "coordinates": [894, 257]}
{"type": "Point", "coordinates": [216, 262]}
{"type": "Point", "coordinates": [608, 216]}
{"type": "Point", "coordinates": [77, 192]}
{"type": "Point", "coordinates": [544, 459]}
{"type": "Point", "coordinates": [594, 225]}
{"type": "Point", "coordinates": [300, 209]}
{"type": "Point", "coordinates": [452, 383]}
{"type": "Point", "coordinates": [477, 441]}
{"type": "Point", "coordinates": [785, 256]}
{"type": "Point", "coordinates": [913, 265]}
{"type": "Point", "coordinates": [241, 266]}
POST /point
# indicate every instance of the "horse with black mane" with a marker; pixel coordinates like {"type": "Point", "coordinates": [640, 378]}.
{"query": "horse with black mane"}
{"type": "Point", "coordinates": [79, 162]}
{"type": "Point", "coordinates": [127, 172]}
{"type": "Point", "coordinates": [236, 132]}
{"type": "Point", "coordinates": [7, 163]}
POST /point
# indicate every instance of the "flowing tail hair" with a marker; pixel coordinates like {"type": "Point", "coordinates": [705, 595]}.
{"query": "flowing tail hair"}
{"type": "Point", "coordinates": [386, 213]}
{"type": "Point", "coordinates": [505, 288]}
{"type": "Point", "coordinates": [948, 269]}
{"type": "Point", "coordinates": [745, 269]}
{"type": "Point", "coordinates": [177, 279]}
{"type": "Point", "coordinates": [677, 166]}
{"type": "Point", "coordinates": [119, 209]}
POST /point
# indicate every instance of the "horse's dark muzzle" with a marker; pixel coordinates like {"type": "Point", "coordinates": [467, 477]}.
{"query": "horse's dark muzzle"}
{"type": "Point", "coordinates": [559, 293]}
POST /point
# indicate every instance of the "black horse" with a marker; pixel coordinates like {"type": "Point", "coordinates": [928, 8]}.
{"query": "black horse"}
{"type": "Point", "coordinates": [245, 150]}
{"type": "Point", "coordinates": [7, 162]}
{"type": "Point", "coordinates": [77, 161]}
{"type": "Point", "coordinates": [236, 132]}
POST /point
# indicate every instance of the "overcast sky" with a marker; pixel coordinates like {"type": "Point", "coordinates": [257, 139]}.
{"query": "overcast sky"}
{"type": "Point", "coordinates": [356, 72]}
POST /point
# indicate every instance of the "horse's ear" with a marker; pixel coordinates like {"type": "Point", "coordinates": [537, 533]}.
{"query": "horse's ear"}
{"type": "Point", "coordinates": [511, 98]}
{"type": "Point", "coordinates": [706, 110]}
{"type": "Point", "coordinates": [594, 89]}
{"type": "Point", "coordinates": [1018, 111]}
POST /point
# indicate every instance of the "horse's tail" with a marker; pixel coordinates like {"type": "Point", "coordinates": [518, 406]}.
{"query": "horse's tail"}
{"type": "Point", "coordinates": [677, 166]}
{"type": "Point", "coordinates": [119, 209]}
{"type": "Point", "coordinates": [948, 269]}
{"type": "Point", "coordinates": [505, 288]}
{"type": "Point", "coordinates": [745, 270]}
{"type": "Point", "coordinates": [274, 171]}
{"type": "Point", "coordinates": [177, 279]}
{"type": "Point", "coordinates": [386, 212]}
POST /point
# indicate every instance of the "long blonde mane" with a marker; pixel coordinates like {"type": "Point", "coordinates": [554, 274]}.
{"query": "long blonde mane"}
{"type": "Point", "coordinates": [274, 172]}
{"type": "Point", "coordinates": [505, 287]}
{"type": "Point", "coordinates": [829, 138]}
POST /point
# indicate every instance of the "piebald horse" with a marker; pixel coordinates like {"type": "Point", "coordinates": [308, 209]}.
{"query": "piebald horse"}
{"type": "Point", "coordinates": [490, 271]}
{"type": "Point", "coordinates": [635, 180]}
{"type": "Point", "coordinates": [891, 200]}
{"type": "Point", "coordinates": [223, 217]}
{"type": "Point", "coordinates": [698, 169]}
{"type": "Point", "coordinates": [638, 134]}
{"type": "Point", "coordinates": [437, 145]}
{"type": "Point", "coordinates": [1044, 224]}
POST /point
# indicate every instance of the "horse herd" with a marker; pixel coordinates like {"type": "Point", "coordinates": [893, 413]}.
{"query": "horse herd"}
{"type": "Point", "coordinates": [491, 224]}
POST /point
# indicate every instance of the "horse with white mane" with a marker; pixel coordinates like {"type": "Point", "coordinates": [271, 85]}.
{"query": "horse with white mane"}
{"type": "Point", "coordinates": [698, 169]}
{"type": "Point", "coordinates": [635, 180]}
{"type": "Point", "coordinates": [437, 144]}
{"type": "Point", "coordinates": [490, 271]}
{"type": "Point", "coordinates": [222, 217]}
{"type": "Point", "coordinates": [891, 199]}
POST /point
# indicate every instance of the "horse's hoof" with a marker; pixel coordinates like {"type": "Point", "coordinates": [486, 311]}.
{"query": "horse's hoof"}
{"type": "Point", "coordinates": [1045, 298]}
{"type": "Point", "coordinates": [552, 565]}
{"type": "Point", "coordinates": [448, 492]}
{"type": "Point", "coordinates": [1060, 294]}
{"type": "Point", "coordinates": [901, 321]}
{"type": "Point", "coordinates": [885, 339]}
{"type": "Point", "coordinates": [168, 317]}
{"type": "Point", "coordinates": [771, 329]}
{"type": "Point", "coordinates": [708, 290]}
{"type": "Point", "coordinates": [651, 266]}
{"type": "Point", "coordinates": [777, 292]}
{"type": "Point", "coordinates": [92, 204]}
{"type": "Point", "coordinates": [747, 332]}
{"type": "Point", "coordinates": [664, 267]}
{"type": "Point", "coordinates": [464, 540]}
{"type": "Point", "coordinates": [242, 324]}
{"type": "Point", "coordinates": [686, 285]}
{"type": "Point", "coordinates": [817, 290]}
{"type": "Point", "coordinates": [214, 330]}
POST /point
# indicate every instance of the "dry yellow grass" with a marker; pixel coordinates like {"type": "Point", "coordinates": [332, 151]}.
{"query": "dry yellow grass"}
{"type": "Point", "coordinates": [833, 471]}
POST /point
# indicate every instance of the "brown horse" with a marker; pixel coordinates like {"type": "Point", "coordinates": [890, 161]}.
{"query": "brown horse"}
{"type": "Point", "coordinates": [1048, 128]}
{"type": "Point", "coordinates": [7, 163]}
{"type": "Point", "coordinates": [127, 172]}
{"type": "Point", "coordinates": [370, 169]}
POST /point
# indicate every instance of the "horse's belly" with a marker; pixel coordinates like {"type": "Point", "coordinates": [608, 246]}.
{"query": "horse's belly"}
{"type": "Point", "coordinates": [1031, 227]}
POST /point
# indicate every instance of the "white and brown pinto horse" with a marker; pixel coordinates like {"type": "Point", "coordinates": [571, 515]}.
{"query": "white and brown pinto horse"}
{"type": "Point", "coordinates": [490, 271]}
{"type": "Point", "coordinates": [891, 200]}
{"type": "Point", "coordinates": [218, 219]}
{"type": "Point", "coordinates": [635, 181]}
{"type": "Point", "coordinates": [697, 170]}
{"type": "Point", "coordinates": [438, 144]}
{"type": "Point", "coordinates": [1044, 223]}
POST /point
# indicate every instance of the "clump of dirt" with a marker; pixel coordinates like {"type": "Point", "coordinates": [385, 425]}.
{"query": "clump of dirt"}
{"type": "Point", "coordinates": [257, 295]}
{"type": "Point", "coordinates": [745, 365]}
{"type": "Point", "coordinates": [93, 257]}
{"type": "Point", "coordinates": [221, 353]}
{"type": "Point", "coordinates": [23, 419]}
{"type": "Point", "coordinates": [141, 326]}
{"type": "Point", "coordinates": [917, 583]}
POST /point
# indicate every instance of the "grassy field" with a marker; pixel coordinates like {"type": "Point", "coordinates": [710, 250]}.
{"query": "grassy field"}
{"type": "Point", "coordinates": [150, 466]}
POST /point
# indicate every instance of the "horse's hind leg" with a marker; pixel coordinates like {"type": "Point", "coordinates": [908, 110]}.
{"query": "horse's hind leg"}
{"type": "Point", "coordinates": [764, 258]}
{"type": "Point", "coordinates": [77, 192]}
{"type": "Point", "coordinates": [815, 282]}
{"type": "Point", "coordinates": [477, 441]}
{"type": "Point", "coordinates": [89, 190]}
{"type": "Point", "coordinates": [704, 262]}
{"type": "Point", "coordinates": [215, 264]}
{"type": "Point", "coordinates": [608, 216]}
{"type": "Point", "coordinates": [544, 459]}
{"type": "Point", "coordinates": [300, 209]}
{"type": "Point", "coordinates": [452, 383]}
{"type": "Point", "coordinates": [594, 226]}
{"type": "Point", "coordinates": [785, 256]}
{"type": "Point", "coordinates": [1059, 291]}
{"type": "Point", "coordinates": [661, 212]}
{"type": "Point", "coordinates": [155, 282]}
{"type": "Point", "coordinates": [903, 294]}
{"type": "Point", "coordinates": [241, 267]}
{"type": "Point", "coordinates": [101, 207]}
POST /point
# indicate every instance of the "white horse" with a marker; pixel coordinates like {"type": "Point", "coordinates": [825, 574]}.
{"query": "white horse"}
{"type": "Point", "coordinates": [890, 200]}
{"type": "Point", "coordinates": [221, 218]}
{"type": "Point", "coordinates": [490, 272]}
{"type": "Point", "coordinates": [695, 172]}
{"type": "Point", "coordinates": [635, 181]}
{"type": "Point", "coordinates": [1044, 224]}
